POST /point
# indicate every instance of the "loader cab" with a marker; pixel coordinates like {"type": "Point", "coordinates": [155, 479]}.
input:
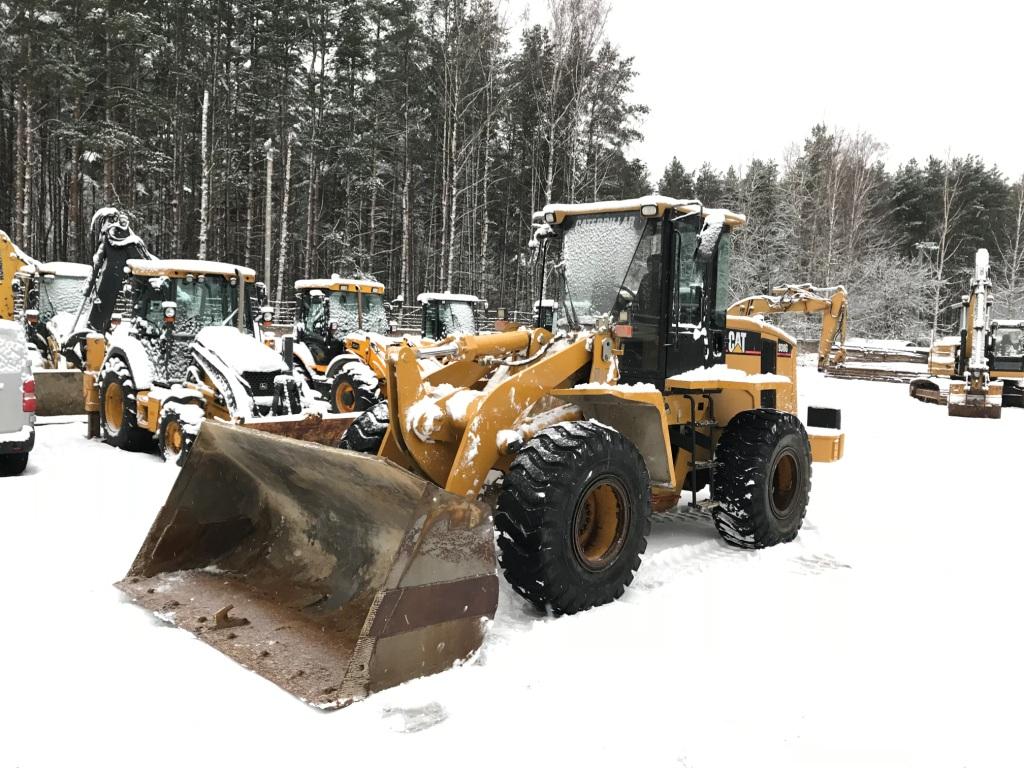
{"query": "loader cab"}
{"type": "Point", "coordinates": [669, 309]}
{"type": "Point", "coordinates": [328, 310]}
{"type": "Point", "coordinates": [448, 314]}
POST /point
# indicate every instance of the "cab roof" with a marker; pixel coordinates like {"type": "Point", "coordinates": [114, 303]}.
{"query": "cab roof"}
{"type": "Point", "coordinates": [424, 298]}
{"type": "Point", "coordinates": [185, 267]}
{"type": "Point", "coordinates": [58, 269]}
{"type": "Point", "coordinates": [339, 283]}
{"type": "Point", "coordinates": [659, 202]}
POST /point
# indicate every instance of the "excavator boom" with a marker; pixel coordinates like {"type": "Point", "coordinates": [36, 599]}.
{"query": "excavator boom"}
{"type": "Point", "coordinates": [831, 303]}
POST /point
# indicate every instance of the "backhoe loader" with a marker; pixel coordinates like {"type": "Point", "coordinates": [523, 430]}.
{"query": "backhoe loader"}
{"type": "Point", "coordinates": [805, 298]}
{"type": "Point", "coordinates": [186, 348]}
{"type": "Point", "coordinates": [982, 369]}
{"type": "Point", "coordinates": [12, 260]}
{"type": "Point", "coordinates": [50, 293]}
{"type": "Point", "coordinates": [340, 335]}
{"type": "Point", "coordinates": [336, 573]}
{"type": "Point", "coordinates": [342, 332]}
{"type": "Point", "coordinates": [41, 297]}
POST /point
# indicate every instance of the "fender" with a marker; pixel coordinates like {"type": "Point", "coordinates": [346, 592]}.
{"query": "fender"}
{"type": "Point", "coordinates": [130, 349]}
{"type": "Point", "coordinates": [302, 354]}
{"type": "Point", "coordinates": [334, 367]}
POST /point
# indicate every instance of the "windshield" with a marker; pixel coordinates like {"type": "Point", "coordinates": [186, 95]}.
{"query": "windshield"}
{"type": "Point", "coordinates": [59, 293]}
{"type": "Point", "coordinates": [375, 320]}
{"type": "Point", "coordinates": [344, 313]}
{"type": "Point", "coordinates": [596, 252]}
{"type": "Point", "coordinates": [457, 317]}
{"type": "Point", "coordinates": [210, 301]}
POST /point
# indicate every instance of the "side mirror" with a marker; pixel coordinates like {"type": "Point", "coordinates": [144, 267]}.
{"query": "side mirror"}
{"type": "Point", "coordinates": [502, 313]}
{"type": "Point", "coordinates": [261, 294]}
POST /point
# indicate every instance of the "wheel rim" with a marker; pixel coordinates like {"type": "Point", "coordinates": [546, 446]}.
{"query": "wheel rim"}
{"type": "Point", "coordinates": [599, 524]}
{"type": "Point", "coordinates": [174, 438]}
{"type": "Point", "coordinates": [345, 397]}
{"type": "Point", "coordinates": [785, 483]}
{"type": "Point", "coordinates": [113, 407]}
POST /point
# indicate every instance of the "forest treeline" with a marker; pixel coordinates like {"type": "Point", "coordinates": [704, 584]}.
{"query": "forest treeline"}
{"type": "Point", "coordinates": [410, 140]}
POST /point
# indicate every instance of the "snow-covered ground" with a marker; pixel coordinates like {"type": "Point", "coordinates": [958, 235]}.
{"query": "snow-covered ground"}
{"type": "Point", "coordinates": [886, 635]}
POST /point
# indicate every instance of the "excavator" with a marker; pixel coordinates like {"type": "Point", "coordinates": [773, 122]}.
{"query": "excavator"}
{"type": "Point", "coordinates": [982, 369]}
{"type": "Point", "coordinates": [805, 298]}
{"type": "Point", "coordinates": [338, 572]}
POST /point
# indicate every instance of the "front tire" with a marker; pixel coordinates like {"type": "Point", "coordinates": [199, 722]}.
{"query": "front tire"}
{"type": "Point", "coordinates": [178, 428]}
{"type": "Point", "coordinates": [118, 415]}
{"type": "Point", "coordinates": [573, 517]}
{"type": "Point", "coordinates": [355, 388]}
{"type": "Point", "coordinates": [764, 480]}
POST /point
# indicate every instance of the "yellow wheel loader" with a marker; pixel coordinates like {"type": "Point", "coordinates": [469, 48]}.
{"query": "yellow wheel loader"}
{"type": "Point", "coordinates": [978, 372]}
{"type": "Point", "coordinates": [806, 299]}
{"type": "Point", "coordinates": [336, 573]}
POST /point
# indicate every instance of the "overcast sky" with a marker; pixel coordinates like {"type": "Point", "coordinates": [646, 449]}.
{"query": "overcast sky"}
{"type": "Point", "coordinates": [726, 82]}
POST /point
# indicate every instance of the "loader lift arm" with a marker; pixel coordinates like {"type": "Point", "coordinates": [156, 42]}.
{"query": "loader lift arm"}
{"type": "Point", "coordinates": [806, 299]}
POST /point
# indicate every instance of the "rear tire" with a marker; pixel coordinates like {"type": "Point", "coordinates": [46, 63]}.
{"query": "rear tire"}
{"type": "Point", "coordinates": [355, 388]}
{"type": "Point", "coordinates": [117, 408]}
{"type": "Point", "coordinates": [573, 517]}
{"type": "Point", "coordinates": [764, 480]}
{"type": "Point", "coordinates": [366, 435]}
{"type": "Point", "coordinates": [12, 464]}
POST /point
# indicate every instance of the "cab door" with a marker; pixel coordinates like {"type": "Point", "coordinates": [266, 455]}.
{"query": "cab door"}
{"type": "Point", "coordinates": [687, 339]}
{"type": "Point", "coordinates": [699, 292]}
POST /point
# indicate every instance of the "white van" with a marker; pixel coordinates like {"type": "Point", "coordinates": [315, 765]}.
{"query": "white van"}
{"type": "Point", "coordinates": [17, 400]}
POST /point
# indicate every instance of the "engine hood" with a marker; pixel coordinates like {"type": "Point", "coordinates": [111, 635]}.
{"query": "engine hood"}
{"type": "Point", "coordinates": [240, 351]}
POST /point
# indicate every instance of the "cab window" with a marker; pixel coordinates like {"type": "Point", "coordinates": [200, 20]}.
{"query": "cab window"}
{"type": "Point", "coordinates": [689, 278]}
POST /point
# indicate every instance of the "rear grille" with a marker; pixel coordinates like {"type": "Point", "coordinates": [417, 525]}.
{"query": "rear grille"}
{"type": "Point", "coordinates": [261, 384]}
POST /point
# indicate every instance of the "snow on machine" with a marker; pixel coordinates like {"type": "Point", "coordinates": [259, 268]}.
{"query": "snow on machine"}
{"type": "Point", "coordinates": [336, 573]}
{"type": "Point", "coordinates": [187, 347]}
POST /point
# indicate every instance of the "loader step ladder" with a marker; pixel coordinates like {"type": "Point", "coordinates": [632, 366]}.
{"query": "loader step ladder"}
{"type": "Point", "coordinates": [690, 430]}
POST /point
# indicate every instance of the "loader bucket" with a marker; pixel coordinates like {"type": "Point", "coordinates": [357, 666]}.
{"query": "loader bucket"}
{"type": "Point", "coordinates": [333, 574]}
{"type": "Point", "coordinates": [59, 393]}
{"type": "Point", "coordinates": [325, 429]}
{"type": "Point", "coordinates": [986, 404]}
